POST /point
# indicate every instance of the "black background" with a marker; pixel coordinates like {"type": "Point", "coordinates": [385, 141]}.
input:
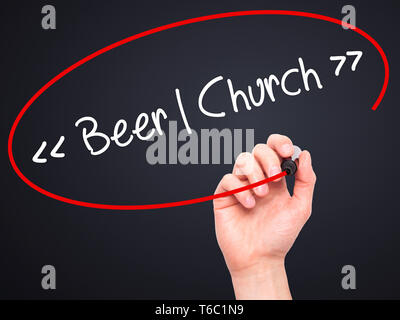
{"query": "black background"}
{"type": "Point", "coordinates": [173, 253]}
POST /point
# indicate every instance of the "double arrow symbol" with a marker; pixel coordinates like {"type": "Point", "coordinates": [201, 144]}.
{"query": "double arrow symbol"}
{"type": "Point", "coordinates": [54, 153]}
{"type": "Point", "coordinates": [342, 60]}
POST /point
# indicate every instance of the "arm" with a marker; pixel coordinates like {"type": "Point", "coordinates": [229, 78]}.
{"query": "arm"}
{"type": "Point", "coordinates": [256, 228]}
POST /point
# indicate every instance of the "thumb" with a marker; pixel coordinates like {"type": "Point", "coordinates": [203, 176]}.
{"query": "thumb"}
{"type": "Point", "coordinates": [304, 184]}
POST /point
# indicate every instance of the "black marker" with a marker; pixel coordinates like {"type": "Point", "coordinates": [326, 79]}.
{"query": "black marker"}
{"type": "Point", "coordinates": [289, 164]}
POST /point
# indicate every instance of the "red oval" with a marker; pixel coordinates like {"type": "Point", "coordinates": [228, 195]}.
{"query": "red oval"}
{"type": "Point", "coordinates": [152, 31]}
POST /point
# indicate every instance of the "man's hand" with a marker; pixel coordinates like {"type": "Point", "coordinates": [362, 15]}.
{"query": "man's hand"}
{"type": "Point", "coordinates": [256, 228]}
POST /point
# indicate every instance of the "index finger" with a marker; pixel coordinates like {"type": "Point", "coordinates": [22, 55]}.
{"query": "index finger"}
{"type": "Point", "coordinates": [281, 144]}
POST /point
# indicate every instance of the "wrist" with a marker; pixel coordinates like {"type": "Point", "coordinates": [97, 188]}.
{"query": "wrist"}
{"type": "Point", "coordinates": [264, 280]}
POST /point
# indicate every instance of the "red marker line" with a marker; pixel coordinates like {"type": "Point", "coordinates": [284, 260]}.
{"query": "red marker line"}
{"type": "Point", "coordinates": [159, 205]}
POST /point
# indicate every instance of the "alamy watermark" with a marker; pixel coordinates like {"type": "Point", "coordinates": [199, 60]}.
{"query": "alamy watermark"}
{"type": "Point", "coordinates": [208, 146]}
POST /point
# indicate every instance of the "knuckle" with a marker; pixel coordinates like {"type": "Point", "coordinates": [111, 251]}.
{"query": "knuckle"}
{"type": "Point", "coordinates": [272, 137]}
{"type": "Point", "coordinates": [259, 148]}
{"type": "Point", "coordinates": [279, 139]}
{"type": "Point", "coordinates": [243, 164]}
{"type": "Point", "coordinates": [270, 155]}
{"type": "Point", "coordinates": [287, 139]}
{"type": "Point", "coordinates": [271, 152]}
{"type": "Point", "coordinates": [227, 177]}
{"type": "Point", "coordinates": [313, 178]}
{"type": "Point", "coordinates": [242, 158]}
{"type": "Point", "coordinates": [244, 154]}
{"type": "Point", "coordinates": [224, 182]}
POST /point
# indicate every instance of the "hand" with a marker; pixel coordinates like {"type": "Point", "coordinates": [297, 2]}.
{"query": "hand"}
{"type": "Point", "coordinates": [256, 228]}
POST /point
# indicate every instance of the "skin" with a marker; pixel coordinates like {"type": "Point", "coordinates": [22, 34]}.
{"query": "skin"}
{"type": "Point", "coordinates": [256, 228]}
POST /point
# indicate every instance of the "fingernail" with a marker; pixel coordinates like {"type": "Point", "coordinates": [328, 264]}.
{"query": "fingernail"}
{"type": "Point", "coordinates": [250, 201]}
{"type": "Point", "coordinates": [240, 161]}
{"type": "Point", "coordinates": [287, 149]}
{"type": "Point", "coordinates": [274, 170]}
{"type": "Point", "coordinates": [261, 189]}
